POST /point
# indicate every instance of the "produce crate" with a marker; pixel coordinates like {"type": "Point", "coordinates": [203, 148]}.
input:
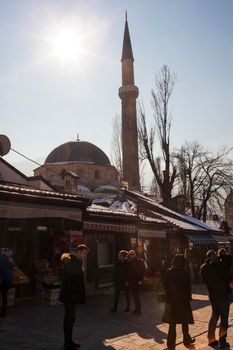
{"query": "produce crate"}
{"type": "Point", "coordinates": [51, 294]}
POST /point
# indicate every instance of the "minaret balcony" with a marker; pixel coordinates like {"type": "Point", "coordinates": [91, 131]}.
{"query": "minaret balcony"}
{"type": "Point", "coordinates": [128, 91]}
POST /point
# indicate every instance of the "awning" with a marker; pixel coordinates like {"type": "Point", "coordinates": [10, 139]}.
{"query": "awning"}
{"type": "Point", "coordinates": [221, 239]}
{"type": "Point", "coordinates": [201, 239]}
{"type": "Point", "coordinates": [145, 233]}
{"type": "Point", "coordinates": [27, 211]}
{"type": "Point", "coordinates": [100, 226]}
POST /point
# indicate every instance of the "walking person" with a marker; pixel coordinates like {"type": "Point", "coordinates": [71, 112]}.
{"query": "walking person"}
{"type": "Point", "coordinates": [6, 276]}
{"type": "Point", "coordinates": [72, 292]}
{"type": "Point", "coordinates": [217, 281]}
{"type": "Point", "coordinates": [178, 295]}
{"type": "Point", "coordinates": [120, 278]}
{"type": "Point", "coordinates": [226, 263]}
{"type": "Point", "coordinates": [135, 279]}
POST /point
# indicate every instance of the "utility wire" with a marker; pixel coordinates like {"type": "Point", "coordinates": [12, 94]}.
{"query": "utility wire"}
{"type": "Point", "coordinates": [33, 161]}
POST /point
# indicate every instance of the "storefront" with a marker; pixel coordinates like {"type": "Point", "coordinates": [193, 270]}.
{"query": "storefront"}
{"type": "Point", "coordinates": [38, 226]}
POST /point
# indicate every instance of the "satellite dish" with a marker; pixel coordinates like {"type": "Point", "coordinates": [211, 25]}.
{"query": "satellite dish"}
{"type": "Point", "coordinates": [5, 145]}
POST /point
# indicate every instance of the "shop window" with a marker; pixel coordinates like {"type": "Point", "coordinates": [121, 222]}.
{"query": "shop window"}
{"type": "Point", "coordinates": [97, 174]}
{"type": "Point", "coordinates": [105, 253]}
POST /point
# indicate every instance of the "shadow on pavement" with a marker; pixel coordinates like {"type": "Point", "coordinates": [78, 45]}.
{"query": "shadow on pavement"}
{"type": "Point", "coordinates": [39, 327]}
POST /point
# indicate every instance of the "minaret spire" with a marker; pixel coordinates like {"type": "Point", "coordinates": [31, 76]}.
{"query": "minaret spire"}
{"type": "Point", "coordinates": [128, 94]}
{"type": "Point", "coordinates": [127, 48]}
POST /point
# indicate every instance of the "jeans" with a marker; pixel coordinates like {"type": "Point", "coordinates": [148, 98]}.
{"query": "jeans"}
{"type": "Point", "coordinates": [220, 308]}
{"type": "Point", "coordinates": [68, 323]}
{"type": "Point", "coordinates": [117, 294]}
{"type": "Point", "coordinates": [136, 297]}
{"type": "Point", "coordinates": [171, 337]}
{"type": "Point", "coordinates": [4, 289]}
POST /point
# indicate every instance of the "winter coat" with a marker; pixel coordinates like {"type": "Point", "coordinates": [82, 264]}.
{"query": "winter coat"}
{"type": "Point", "coordinates": [6, 269]}
{"type": "Point", "coordinates": [72, 287]}
{"type": "Point", "coordinates": [216, 279]}
{"type": "Point", "coordinates": [120, 274]}
{"type": "Point", "coordinates": [178, 295]}
{"type": "Point", "coordinates": [136, 272]}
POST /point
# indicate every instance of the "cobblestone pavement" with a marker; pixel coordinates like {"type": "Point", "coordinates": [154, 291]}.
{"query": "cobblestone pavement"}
{"type": "Point", "coordinates": [40, 326]}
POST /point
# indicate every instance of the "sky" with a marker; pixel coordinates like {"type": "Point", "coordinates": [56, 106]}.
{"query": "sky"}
{"type": "Point", "coordinates": [49, 93]}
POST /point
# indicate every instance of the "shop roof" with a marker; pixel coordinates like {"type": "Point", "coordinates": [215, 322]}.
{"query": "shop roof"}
{"type": "Point", "coordinates": [32, 192]}
{"type": "Point", "coordinates": [105, 210]}
{"type": "Point", "coordinates": [184, 222]}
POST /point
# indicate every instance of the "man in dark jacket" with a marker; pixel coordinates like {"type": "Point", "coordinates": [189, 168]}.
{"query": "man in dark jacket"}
{"type": "Point", "coordinates": [213, 274]}
{"type": "Point", "coordinates": [120, 277]}
{"type": "Point", "coordinates": [72, 292]}
{"type": "Point", "coordinates": [6, 272]}
{"type": "Point", "coordinates": [135, 278]}
{"type": "Point", "coordinates": [178, 295]}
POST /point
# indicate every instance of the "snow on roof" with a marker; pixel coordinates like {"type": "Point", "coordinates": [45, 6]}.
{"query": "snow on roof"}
{"type": "Point", "coordinates": [126, 206]}
{"type": "Point", "coordinates": [173, 216]}
{"type": "Point", "coordinates": [94, 208]}
{"type": "Point", "coordinates": [82, 189]}
{"type": "Point", "coordinates": [181, 224]}
{"type": "Point", "coordinates": [149, 219]}
{"type": "Point", "coordinates": [100, 200]}
{"type": "Point", "coordinates": [202, 224]}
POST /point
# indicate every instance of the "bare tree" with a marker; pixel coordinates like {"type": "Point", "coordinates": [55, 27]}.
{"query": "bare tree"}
{"type": "Point", "coordinates": [116, 150]}
{"type": "Point", "coordinates": [164, 84]}
{"type": "Point", "coordinates": [116, 145]}
{"type": "Point", "coordinates": [205, 178]}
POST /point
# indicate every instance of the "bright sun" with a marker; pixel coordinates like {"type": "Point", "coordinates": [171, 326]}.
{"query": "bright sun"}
{"type": "Point", "coordinates": [71, 41]}
{"type": "Point", "coordinates": [67, 45]}
{"type": "Point", "coordinates": [68, 40]}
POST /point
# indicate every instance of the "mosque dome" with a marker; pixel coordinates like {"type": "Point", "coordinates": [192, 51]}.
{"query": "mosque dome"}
{"type": "Point", "coordinates": [78, 151]}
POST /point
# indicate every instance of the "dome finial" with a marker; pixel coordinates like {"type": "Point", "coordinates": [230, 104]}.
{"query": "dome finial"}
{"type": "Point", "coordinates": [78, 139]}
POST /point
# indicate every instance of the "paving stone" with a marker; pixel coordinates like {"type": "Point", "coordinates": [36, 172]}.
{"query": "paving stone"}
{"type": "Point", "coordinates": [39, 327]}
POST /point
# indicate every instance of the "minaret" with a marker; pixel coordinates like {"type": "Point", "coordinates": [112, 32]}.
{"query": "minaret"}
{"type": "Point", "coordinates": [128, 94]}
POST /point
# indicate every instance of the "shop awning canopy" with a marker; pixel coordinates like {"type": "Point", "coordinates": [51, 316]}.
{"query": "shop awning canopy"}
{"type": "Point", "coordinates": [145, 233]}
{"type": "Point", "coordinates": [108, 227]}
{"type": "Point", "coordinates": [201, 239]}
{"type": "Point", "coordinates": [31, 211]}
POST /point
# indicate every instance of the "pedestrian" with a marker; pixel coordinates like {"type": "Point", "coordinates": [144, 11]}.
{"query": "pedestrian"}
{"type": "Point", "coordinates": [196, 272]}
{"type": "Point", "coordinates": [135, 279]}
{"type": "Point", "coordinates": [163, 268]}
{"type": "Point", "coordinates": [178, 295]}
{"type": "Point", "coordinates": [120, 279]}
{"type": "Point", "coordinates": [72, 291]}
{"type": "Point", "coordinates": [226, 262]}
{"type": "Point", "coordinates": [213, 274]}
{"type": "Point", "coordinates": [6, 277]}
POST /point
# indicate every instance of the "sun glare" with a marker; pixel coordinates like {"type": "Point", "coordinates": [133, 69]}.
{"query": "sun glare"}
{"type": "Point", "coordinates": [67, 45]}
{"type": "Point", "coordinates": [71, 41]}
